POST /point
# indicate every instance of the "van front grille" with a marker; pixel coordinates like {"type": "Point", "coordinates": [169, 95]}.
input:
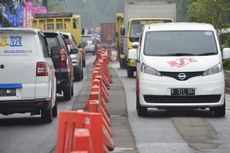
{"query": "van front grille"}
{"type": "Point", "coordinates": [182, 99]}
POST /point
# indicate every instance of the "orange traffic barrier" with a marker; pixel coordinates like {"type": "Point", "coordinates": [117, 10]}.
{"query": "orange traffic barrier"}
{"type": "Point", "coordinates": [94, 107]}
{"type": "Point", "coordinates": [82, 140]}
{"type": "Point", "coordinates": [103, 107]}
{"type": "Point", "coordinates": [69, 120]}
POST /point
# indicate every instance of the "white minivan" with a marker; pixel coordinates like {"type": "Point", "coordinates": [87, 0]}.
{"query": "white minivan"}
{"type": "Point", "coordinates": [27, 74]}
{"type": "Point", "coordinates": [179, 66]}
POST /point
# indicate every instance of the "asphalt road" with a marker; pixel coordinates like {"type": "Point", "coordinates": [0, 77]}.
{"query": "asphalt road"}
{"type": "Point", "coordinates": [22, 133]}
{"type": "Point", "coordinates": [176, 131]}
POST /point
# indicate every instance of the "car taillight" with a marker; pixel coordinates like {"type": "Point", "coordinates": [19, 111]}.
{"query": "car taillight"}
{"type": "Point", "coordinates": [63, 58]}
{"type": "Point", "coordinates": [42, 69]}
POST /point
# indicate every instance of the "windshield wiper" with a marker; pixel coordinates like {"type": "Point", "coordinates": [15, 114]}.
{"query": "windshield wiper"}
{"type": "Point", "coordinates": [179, 54]}
{"type": "Point", "coordinates": [189, 54]}
{"type": "Point", "coordinates": [208, 53]}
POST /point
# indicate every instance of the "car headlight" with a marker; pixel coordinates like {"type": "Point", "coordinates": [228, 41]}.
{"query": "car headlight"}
{"type": "Point", "coordinates": [149, 70]}
{"type": "Point", "coordinates": [213, 70]}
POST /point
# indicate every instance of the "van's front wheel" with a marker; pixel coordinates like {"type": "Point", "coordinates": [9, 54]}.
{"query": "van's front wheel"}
{"type": "Point", "coordinates": [219, 111]}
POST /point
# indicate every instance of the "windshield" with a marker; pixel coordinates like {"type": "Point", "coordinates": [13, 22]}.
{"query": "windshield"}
{"type": "Point", "coordinates": [180, 43]}
{"type": "Point", "coordinates": [137, 25]}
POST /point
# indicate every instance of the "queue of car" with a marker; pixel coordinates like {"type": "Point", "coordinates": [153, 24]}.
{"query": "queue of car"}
{"type": "Point", "coordinates": [34, 67]}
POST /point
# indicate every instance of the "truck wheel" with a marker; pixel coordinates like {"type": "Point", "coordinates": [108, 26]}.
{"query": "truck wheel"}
{"type": "Point", "coordinates": [67, 92]}
{"type": "Point", "coordinates": [219, 111]}
{"type": "Point", "coordinates": [122, 63]}
{"type": "Point", "coordinates": [46, 115]}
{"type": "Point", "coordinates": [130, 72]}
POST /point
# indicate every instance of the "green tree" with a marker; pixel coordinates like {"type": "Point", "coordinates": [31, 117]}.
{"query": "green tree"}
{"type": "Point", "coordinates": [214, 12]}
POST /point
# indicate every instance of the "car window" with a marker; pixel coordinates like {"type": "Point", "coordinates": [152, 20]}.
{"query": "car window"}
{"type": "Point", "coordinates": [44, 45]}
{"type": "Point", "coordinates": [52, 41]}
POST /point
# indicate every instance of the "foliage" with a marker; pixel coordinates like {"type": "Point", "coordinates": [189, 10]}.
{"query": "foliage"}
{"type": "Point", "coordinates": [214, 12]}
{"type": "Point", "coordinates": [55, 6]}
{"type": "Point", "coordinates": [226, 64]}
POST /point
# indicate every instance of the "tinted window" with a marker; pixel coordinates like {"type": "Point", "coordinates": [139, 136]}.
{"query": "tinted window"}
{"type": "Point", "coordinates": [164, 43]}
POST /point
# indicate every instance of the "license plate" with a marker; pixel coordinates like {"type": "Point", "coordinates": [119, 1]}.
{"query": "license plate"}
{"type": "Point", "coordinates": [7, 92]}
{"type": "Point", "coordinates": [182, 91]}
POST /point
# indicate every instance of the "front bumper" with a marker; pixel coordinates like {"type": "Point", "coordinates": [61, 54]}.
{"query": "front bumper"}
{"type": "Point", "coordinates": [155, 91]}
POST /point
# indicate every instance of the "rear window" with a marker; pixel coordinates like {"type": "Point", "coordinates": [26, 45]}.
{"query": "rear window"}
{"type": "Point", "coordinates": [52, 41]}
{"type": "Point", "coordinates": [21, 44]}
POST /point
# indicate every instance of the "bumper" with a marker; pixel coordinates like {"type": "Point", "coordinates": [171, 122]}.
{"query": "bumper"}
{"type": "Point", "coordinates": [23, 106]}
{"type": "Point", "coordinates": [156, 91]}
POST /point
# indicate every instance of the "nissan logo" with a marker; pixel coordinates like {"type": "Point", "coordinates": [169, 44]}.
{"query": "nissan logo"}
{"type": "Point", "coordinates": [2, 66]}
{"type": "Point", "coordinates": [182, 76]}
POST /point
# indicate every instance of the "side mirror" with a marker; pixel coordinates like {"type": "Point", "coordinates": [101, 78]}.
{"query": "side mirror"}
{"type": "Point", "coordinates": [54, 51]}
{"type": "Point", "coordinates": [132, 54]}
{"type": "Point", "coordinates": [226, 53]}
{"type": "Point", "coordinates": [122, 31]}
{"type": "Point", "coordinates": [74, 51]}
{"type": "Point", "coordinates": [135, 45]}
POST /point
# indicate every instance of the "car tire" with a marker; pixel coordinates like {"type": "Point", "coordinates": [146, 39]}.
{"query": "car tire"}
{"type": "Point", "coordinates": [77, 76]}
{"type": "Point", "coordinates": [219, 111]}
{"type": "Point", "coordinates": [72, 90]}
{"type": "Point", "coordinates": [82, 74]}
{"type": "Point", "coordinates": [55, 110]}
{"type": "Point", "coordinates": [67, 92]}
{"type": "Point", "coordinates": [83, 63]}
{"type": "Point", "coordinates": [141, 111]}
{"type": "Point", "coordinates": [130, 72]}
{"type": "Point", "coordinates": [46, 115]}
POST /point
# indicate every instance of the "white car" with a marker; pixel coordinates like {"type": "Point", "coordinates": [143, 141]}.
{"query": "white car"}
{"type": "Point", "coordinates": [27, 82]}
{"type": "Point", "coordinates": [90, 47]}
{"type": "Point", "coordinates": [179, 66]}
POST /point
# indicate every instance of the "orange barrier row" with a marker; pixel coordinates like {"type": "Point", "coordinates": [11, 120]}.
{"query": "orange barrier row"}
{"type": "Point", "coordinates": [89, 131]}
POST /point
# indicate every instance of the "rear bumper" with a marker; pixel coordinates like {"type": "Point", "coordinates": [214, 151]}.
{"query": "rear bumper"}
{"type": "Point", "coordinates": [23, 106]}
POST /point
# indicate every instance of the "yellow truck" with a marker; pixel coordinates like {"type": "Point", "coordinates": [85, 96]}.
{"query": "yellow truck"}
{"type": "Point", "coordinates": [138, 14]}
{"type": "Point", "coordinates": [119, 39]}
{"type": "Point", "coordinates": [62, 22]}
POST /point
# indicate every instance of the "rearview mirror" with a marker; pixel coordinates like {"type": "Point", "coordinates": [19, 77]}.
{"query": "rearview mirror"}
{"type": "Point", "coordinates": [226, 53]}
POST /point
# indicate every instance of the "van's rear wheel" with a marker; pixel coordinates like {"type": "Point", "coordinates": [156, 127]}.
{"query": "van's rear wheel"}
{"type": "Point", "coordinates": [55, 110]}
{"type": "Point", "coordinates": [46, 115]}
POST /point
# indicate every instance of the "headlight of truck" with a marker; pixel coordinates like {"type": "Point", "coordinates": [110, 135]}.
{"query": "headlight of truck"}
{"type": "Point", "coordinates": [213, 70]}
{"type": "Point", "coordinates": [149, 70]}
